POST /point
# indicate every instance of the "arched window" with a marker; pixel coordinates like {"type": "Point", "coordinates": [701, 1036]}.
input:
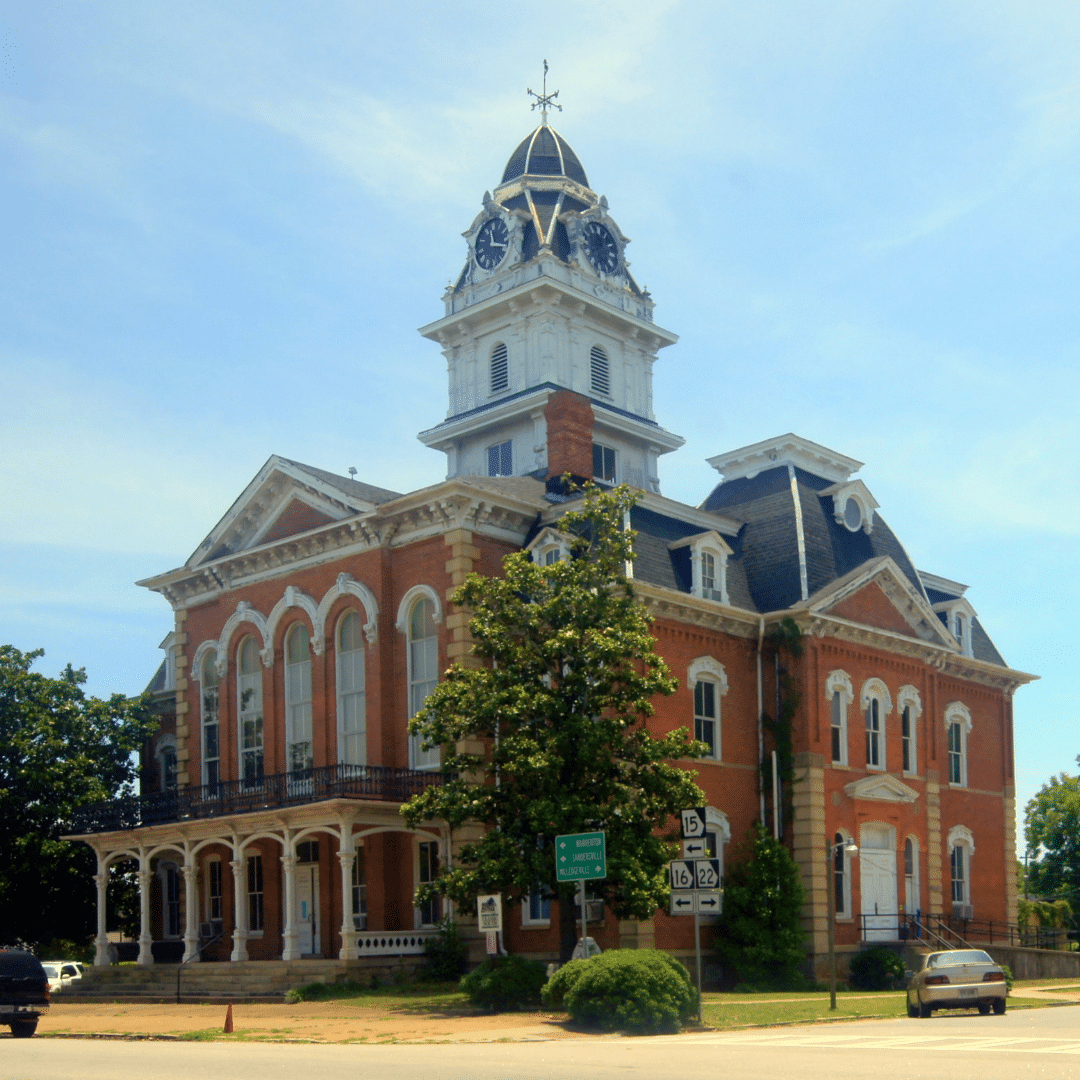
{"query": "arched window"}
{"type": "Point", "coordinates": [600, 371]}
{"type": "Point", "coordinates": [907, 701]}
{"type": "Point", "coordinates": [167, 763]}
{"type": "Point", "coordinates": [708, 680]}
{"type": "Point", "coordinates": [298, 752]}
{"type": "Point", "coordinates": [957, 728]}
{"type": "Point", "coordinates": [877, 704]}
{"type": "Point", "coordinates": [500, 376]}
{"type": "Point", "coordinates": [423, 675]}
{"type": "Point", "coordinates": [912, 901]}
{"type": "Point", "coordinates": [211, 745]}
{"type": "Point", "coordinates": [842, 876]}
{"type": "Point", "coordinates": [352, 714]}
{"type": "Point", "coordinates": [839, 694]}
{"type": "Point", "coordinates": [249, 711]}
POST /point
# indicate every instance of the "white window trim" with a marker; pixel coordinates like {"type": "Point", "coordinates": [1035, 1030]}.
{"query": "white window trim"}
{"type": "Point", "coordinates": [339, 695]}
{"type": "Point", "coordinates": [256, 676]}
{"type": "Point", "coordinates": [876, 689]}
{"type": "Point", "coordinates": [417, 841]}
{"type": "Point", "coordinates": [548, 539]}
{"type": "Point", "coordinates": [916, 883]}
{"type": "Point", "coordinates": [907, 697]}
{"type": "Point", "coordinates": [839, 682]}
{"type": "Point", "coordinates": [529, 923]}
{"type": "Point", "coordinates": [710, 669]}
{"type": "Point", "coordinates": [956, 712]}
{"type": "Point", "coordinates": [615, 478]}
{"type": "Point", "coordinates": [854, 491]}
{"type": "Point", "coordinates": [254, 933]}
{"type": "Point", "coordinates": [718, 547]}
{"type": "Point", "coordinates": [961, 836]}
{"type": "Point", "coordinates": [950, 609]}
{"type": "Point", "coordinates": [199, 662]}
{"type": "Point", "coordinates": [208, 897]}
{"type": "Point", "coordinates": [847, 915]}
{"type": "Point", "coordinates": [408, 601]}
{"type": "Point", "coordinates": [292, 673]}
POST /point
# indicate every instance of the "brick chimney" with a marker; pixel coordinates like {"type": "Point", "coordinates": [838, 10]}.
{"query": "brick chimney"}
{"type": "Point", "coordinates": [569, 419]}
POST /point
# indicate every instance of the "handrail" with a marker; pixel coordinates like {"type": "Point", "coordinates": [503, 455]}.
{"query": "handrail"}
{"type": "Point", "coordinates": [194, 956]}
{"type": "Point", "coordinates": [261, 792]}
{"type": "Point", "coordinates": [954, 931]}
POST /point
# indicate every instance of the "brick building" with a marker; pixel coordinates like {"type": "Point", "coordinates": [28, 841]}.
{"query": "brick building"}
{"type": "Point", "coordinates": [316, 615]}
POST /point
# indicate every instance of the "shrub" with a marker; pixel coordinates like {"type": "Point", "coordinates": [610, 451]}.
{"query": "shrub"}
{"type": "Point", "coordinates": [761, 940]}
{"type": "Point", "coordinates": [639, 990]}
{"type": "Point", "coordinates": [505, 983]}
{"type": "Point", "coordinates": [554, 992]}
{"type": "Point", "coordinates": [445, 951]}
{"type": "Point", "coordinates": [1008, 979]}
{"type": "Point", "coordinates": [876, 969]}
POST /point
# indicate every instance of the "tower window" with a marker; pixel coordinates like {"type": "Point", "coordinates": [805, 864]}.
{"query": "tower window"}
{"type": "Point", "coordinates": [603, 463]}
{"type": "Point", "coordinates": [500, 378]}
{"type": "Point", "coordinates": [500, 459]}
{"type": "Point", "coordinates": [600, 371]}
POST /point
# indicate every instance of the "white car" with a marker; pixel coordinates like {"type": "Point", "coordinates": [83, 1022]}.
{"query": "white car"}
{"type": "Point", "coordinates": [61, 973]}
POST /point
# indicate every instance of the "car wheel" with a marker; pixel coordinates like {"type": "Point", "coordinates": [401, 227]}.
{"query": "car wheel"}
{"type": "Point", "coordinates": [925, 1011]}
{"type": "Point", "coordinates": [912, 1010]}
{"type": "Point", "coordinates": [23, 1029]}
{"type": "Point", "coordinates": [999, 1006]}
{"type": "Point", "coordinates": [984, 1008]}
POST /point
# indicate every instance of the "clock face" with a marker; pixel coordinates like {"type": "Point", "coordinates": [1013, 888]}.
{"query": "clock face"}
{"type": "Point", "coordinates": [492, 242]}
{"type": "Point", "coordinates": [601, 248]}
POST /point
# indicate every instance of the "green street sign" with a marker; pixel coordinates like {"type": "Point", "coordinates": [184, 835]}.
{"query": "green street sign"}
{"type": "Point", "coordinates": [580, 857]}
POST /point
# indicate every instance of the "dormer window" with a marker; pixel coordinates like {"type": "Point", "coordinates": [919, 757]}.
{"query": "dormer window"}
{"type": "Point", "coordinates": [549, 547]}
{"type": "Point", "coordinates": [958, 615]}
{"type": "Point", "coordinates": [708, 565]}
{"type": "Point", "coordinates": [603, 463]}
{"type": "Point", "coordinates": [853, 505]}
{"type": "Point", "coordinates": [500, 375]}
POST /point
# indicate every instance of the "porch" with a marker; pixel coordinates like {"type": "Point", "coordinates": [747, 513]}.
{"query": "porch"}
{"type": "Point", "coordinates": [236, 871]}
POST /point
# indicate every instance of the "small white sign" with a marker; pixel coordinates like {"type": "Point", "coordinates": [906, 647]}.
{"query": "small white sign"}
{"type": "Point", "coordinates": [708, 903]}
{"type": "Point", "coordinates": [693, 849]}
{"type": "Point", "coordinates": [693, 823]}
{"type": "Point", "coordinates": [682, 874]}
{"type": "Point", "coordinates": [707, 874]}
{"type": "Point", "coordinates": [489, 913]}
{"type": "Point", "coordinates": [492, 942]}
{"type": "Point", "coordinates": [682, 903]}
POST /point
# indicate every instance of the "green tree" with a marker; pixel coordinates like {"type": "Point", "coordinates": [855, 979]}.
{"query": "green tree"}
{"type": "Point", "coordinates": [550, 736]}
{"type": "Point", "coordinates": [761, 937]}
{"type": "Point", "coordinates": [59, 749]}
{"type": "Point", "coordinates": [1052, 830]}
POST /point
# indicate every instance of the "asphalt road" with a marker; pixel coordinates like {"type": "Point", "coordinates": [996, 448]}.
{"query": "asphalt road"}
{"type": "Point", "coordinates": [1036, 1043]}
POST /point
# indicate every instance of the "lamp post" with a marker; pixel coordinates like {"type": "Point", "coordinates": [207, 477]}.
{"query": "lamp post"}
{"type": "Point", "coordinates": [830, 890]}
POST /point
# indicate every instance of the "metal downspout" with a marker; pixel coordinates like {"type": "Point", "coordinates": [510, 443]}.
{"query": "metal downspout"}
{"type": "Point", "coordinates": [760, 727]}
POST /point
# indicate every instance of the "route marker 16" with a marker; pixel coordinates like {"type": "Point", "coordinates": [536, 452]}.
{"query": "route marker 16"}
{"type": "Point", "coordinates": [682, 874]}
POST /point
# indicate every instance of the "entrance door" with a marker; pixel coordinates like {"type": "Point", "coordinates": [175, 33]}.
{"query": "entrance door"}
{"type": "Point", "coordinates": [877, 880]}
{"type": "Point", "coordinates": [307, 909]}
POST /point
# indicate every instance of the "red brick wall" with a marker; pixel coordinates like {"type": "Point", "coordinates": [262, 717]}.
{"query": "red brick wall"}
{"type": "Point", "coordinates": [569, 419]}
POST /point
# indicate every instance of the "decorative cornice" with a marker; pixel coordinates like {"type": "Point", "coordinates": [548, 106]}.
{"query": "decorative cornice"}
{"type": "Point", "coordinates": [882, 788]}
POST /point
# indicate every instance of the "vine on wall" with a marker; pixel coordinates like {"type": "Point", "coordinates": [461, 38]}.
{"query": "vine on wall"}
{"type": "Point", "coordinates": [784, 641]}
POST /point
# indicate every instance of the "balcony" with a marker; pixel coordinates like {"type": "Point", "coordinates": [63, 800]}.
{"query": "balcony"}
{"type": "Point", "coordinates": [248, 796]}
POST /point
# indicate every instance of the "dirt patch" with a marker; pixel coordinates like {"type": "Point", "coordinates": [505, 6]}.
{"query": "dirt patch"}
{"type": "Point", "coordinates": [322, 1021]}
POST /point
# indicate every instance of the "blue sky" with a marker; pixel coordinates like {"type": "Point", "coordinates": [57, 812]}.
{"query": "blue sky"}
{"type": "Point", "coordinates": [223, 222]}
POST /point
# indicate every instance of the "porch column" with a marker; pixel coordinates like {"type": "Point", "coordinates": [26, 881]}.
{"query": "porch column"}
{"type": "Point", "coordinates": [347, 857]}
{"type": "Point", "coordinates": [240, 912]}
{"type": "Point", "coordinates": [101, 942]}
{"type": "Point", "coordinates": [146, 940]}
{"type": "Point", "coordinates": [289, 947]}
{"type": "Point", "coordinates": [191, 913]}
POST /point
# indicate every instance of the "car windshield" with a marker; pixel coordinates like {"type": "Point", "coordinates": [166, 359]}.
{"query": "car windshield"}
{"type": "Point", "coordinates": [52, 971]}
{"type": "Point", "coordinates": [959, 957]}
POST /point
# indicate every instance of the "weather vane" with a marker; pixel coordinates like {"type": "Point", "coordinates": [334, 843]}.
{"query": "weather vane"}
{"type": "Point", "coordinates": [545, 100]}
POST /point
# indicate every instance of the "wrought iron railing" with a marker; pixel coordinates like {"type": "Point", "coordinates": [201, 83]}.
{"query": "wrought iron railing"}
{"type": "Point", "coordinates": [258, 793]}
{"type": "Point", "coordinates": [956, 932]}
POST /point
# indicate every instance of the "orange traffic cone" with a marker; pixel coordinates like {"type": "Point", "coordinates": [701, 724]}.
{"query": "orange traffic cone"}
{"type": "Point", "coordinates": [228, 1020]}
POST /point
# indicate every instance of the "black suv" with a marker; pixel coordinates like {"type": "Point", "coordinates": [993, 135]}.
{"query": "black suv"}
{"type": "Point", "coordinates": [24, 991]}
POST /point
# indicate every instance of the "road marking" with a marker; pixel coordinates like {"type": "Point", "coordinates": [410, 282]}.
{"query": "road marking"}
{"type": "Point", "coordinates": [829, 1040]}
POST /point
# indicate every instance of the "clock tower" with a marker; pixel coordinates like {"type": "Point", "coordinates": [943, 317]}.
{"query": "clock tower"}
{"type": "Point", "coordinates": [549, 340]}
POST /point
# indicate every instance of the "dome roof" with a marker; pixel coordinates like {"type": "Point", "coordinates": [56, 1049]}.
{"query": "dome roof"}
{"type": "Point", "coordinates": [544, 152]}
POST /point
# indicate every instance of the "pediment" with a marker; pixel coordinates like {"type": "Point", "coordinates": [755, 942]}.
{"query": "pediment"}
{"type": "Point", "coordinates": [878, 594]}
{"type": "Point", "coordinates": [284, 499]}
{"type": "Point", "coordinates": [883, 788]}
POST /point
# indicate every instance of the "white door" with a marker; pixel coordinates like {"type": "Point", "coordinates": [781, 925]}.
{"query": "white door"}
{"type": "Point", "coordinates": [307, 909]}
{"type": "Point", "coordinates": [877, 882]}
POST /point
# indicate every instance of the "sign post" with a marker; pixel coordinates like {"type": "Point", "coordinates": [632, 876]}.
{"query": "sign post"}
{"type": "Point", "coordinates": [693, 831]}
{"type": "Point", "coordinates": [581, 857]}
{"type": "Point", "coordinates": [489, 918]}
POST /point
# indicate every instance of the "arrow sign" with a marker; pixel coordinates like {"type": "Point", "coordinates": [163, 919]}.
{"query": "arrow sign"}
{"type": "Point", "coordinates": [693, 823]}
{"type": "Point", "coordinates": [682, 874]}
{"type": "Point", "coordinates": [708, 903]}
{"type": "Point", "coordinates": [682, 904]}
{"type": "Point", "coordinates": [694, 849]}
{"type": "Point", "coordinates": [707, 873]}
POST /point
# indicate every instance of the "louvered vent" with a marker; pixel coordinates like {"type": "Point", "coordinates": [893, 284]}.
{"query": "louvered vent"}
{"type": "Point", "coordinates": [500, 378]}
{"type": "Point", "coordinates": [601, 371]}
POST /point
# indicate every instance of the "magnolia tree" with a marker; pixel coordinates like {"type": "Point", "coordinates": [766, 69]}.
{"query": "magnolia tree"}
{"type": "Point", "coordinates": [549, 735]}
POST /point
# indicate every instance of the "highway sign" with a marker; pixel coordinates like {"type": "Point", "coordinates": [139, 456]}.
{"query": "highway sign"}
{"type": "Point", "coordinates": [682, 903]}
{"type": "Point", "coordinates": [682, 874]}
{"type": "Point", "coordinates": [489, 913]}
{"type": "Point", "coordinates": [580, 857]}
{"type": "Point", "coordinates": [694, 849]}
{"type": "Point", "coordinates": [693, 823]}
{"type": "Point", "coordinates": [708, 903]}
{"type": "Point", "coordinates": [707, 873]}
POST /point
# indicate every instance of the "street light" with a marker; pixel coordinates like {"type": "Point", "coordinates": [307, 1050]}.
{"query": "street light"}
{"type": "Point", "coordinates": [830, 882]}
